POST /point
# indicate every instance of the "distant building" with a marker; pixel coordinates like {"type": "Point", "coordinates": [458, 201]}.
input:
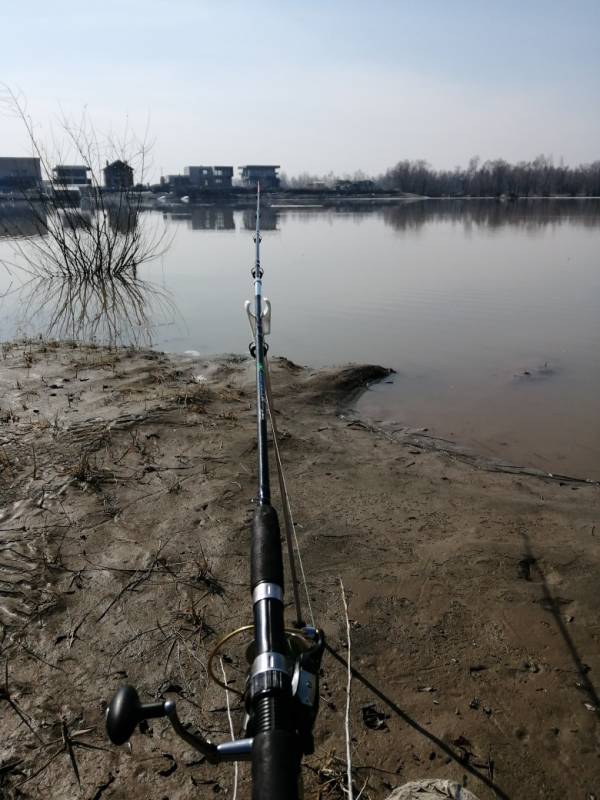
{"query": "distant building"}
{"type": "Point", "coordinates": [118, 175]}
{"type": "Point", "coordinates": [223, 177]}
{"type": "Point", "coordinates": [252, 174]}
{"type": "Point", "coordinates": [178, 182]}
{"type": "Point", "coordinates": [19, 173]}
{"type": "Point", "coordinates": [69, 175]}
{"type": "Point", "coordinates": [216, 179]}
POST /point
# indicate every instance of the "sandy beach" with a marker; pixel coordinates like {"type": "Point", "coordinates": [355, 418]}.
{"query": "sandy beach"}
{"type": "Point", "coordinates": [126, 488]}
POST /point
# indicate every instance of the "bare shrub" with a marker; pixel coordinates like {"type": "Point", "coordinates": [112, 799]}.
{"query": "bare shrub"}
{"type": "Point", "coordinates": [78, 258]}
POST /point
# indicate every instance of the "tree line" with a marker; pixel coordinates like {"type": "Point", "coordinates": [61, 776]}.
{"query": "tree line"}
{"type": "Point", "coordinates": [539, 177]}
{"type": "Point", "coordinates": [494, 178]}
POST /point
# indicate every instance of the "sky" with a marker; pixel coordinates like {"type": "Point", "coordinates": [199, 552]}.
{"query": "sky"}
{"type": "Point", "coordinates": [311, 86]}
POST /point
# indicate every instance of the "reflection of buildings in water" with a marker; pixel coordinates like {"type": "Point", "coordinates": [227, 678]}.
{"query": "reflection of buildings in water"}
{"type": "Point", "coordinates": [22, 220]}
{"type": "Point", "coordinates": [175, 216]}
{"type": "Point", "coordinates": [122, 219]}
{"type": "Point", "coordinates": [212, 218]}
{"type": "Point", "coordinates": [268, 219]}
{"type": "Point", "coordinates": [74, 218]}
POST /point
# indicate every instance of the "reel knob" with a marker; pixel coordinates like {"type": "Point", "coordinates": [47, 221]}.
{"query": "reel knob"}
{"type": "Point", "coordinates": [126, 711]}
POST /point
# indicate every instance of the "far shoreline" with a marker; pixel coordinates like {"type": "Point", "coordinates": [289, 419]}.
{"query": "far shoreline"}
{"type": "Point", "coordinates": [283, 200]}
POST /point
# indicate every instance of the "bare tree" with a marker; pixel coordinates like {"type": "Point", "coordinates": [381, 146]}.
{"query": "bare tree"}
{"type": "Point", "coordinates": [103, 234]}
{"type": "Point", "coordinates": [80, 256]}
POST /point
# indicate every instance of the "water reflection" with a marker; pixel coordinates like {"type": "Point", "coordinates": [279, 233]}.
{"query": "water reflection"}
{"type": "Point", "coordinates": [73, 273]}
{"type": "Point", "coordinates": [79, 240]}
{"type": "Point", "coordinates": [222, 218]}
{"type": "Point", "coordinates": [410, 215]}
{"type": "Point", "coordinates": [268, 219]}
{"type": "Point", "coordinates": [204, 218]}
{"type": "Point", "coordinates": [71, 219]}
{"type": "Point", "coordinates": [112, 310]}
{"type": "Point", "coordinates": [527, 214]}
{"type": "Point", "coordinates": [459, 296]}
{"type": "Point", "coordinates": [122, 218]}
{"type": "Point", "coordinates": [213, 219]}
{"type": "Point", "coordinates": [19, 221]}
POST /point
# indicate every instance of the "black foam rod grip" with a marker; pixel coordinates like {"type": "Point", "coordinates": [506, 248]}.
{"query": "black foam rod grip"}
{"type": "Point", "coordinates": [266, 559]}
{"type": "Point", "coordinates": [275, 766]}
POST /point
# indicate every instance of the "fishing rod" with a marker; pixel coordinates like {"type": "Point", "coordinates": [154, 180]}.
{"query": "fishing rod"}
{"type": "Point", "coordinates": [281, 695]}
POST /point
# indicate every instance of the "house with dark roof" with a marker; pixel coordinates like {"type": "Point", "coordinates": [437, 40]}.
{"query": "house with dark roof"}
{"type": "Point", "coordinates": [118, 175]}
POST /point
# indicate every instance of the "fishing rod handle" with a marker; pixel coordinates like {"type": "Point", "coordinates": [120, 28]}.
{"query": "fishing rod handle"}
{"type": "Point", "coordinates": [275, 766]}
{"type": "Point", "coordinates": [276, 748]}
{"type": "Point", "coordinates": [266, 565]}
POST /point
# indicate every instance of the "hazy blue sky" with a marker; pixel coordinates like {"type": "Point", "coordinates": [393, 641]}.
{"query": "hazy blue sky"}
{"type": "Point", "coordinates": [314, 85]}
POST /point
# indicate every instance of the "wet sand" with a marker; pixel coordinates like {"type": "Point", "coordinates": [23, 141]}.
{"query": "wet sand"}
{"type": "Point", "coordinates": [126, 488]}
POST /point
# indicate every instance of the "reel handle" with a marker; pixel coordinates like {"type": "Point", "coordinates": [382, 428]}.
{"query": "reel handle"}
{"type": "Point", "coordinates": [126, 711]}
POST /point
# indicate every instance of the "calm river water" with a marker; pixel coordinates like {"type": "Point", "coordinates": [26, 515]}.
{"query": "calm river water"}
{"type": "Point", "coordinates": [489, 312]}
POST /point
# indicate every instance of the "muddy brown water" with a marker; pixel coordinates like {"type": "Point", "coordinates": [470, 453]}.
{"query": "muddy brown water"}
{"type": "Point", "coordinates": [488, 312]}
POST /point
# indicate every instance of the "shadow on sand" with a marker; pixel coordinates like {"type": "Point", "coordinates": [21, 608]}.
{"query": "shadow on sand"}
{"type": "Point", "coordinates": [443, 746]}
{"type": "Point", "coordinates": [553, 605]}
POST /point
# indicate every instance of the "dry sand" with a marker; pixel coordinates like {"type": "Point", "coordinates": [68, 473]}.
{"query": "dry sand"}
{"type": "Point", "coordinates": [126, 484]}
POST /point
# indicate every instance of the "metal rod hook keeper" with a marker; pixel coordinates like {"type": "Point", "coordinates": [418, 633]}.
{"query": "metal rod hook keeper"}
{"type": "Point", "coordinates": [265, 316]}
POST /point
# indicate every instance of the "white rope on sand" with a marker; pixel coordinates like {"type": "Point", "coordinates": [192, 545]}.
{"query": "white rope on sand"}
{"type": "Point", "coordinates": [348, 685]}
{"type": "Point", "coordinates": [235, 763]}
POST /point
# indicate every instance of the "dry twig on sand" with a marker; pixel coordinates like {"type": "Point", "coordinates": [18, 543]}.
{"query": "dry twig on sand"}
{"type": "Point", "coordinates": [235, 763]}
{"type": "Point", "coordinates": [6, 695]}
{"type": "Point", "coordinates": [348, 686]}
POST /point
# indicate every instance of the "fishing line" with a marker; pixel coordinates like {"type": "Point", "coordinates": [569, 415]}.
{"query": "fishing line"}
{"type": "Point", "coordinates": [290, 527]}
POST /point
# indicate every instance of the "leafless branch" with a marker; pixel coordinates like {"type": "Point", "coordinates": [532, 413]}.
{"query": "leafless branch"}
{"type": "Point", "coordinates": [80, 260]}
